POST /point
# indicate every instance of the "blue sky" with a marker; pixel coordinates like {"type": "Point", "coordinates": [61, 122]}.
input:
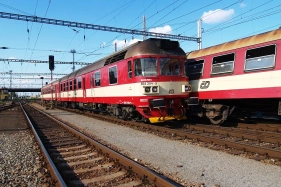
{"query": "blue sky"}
{"type": "Point", "coordinates": [222, 21]}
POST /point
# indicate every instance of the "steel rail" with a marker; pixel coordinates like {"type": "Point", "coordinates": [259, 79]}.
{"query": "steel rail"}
{"type": "Point", "coordinates": [266, 136]}
{"type": "Point", "coordinates": [198, 137]}
{"type": "Point", "coordinates": [152, 176]}
{"type": "Point", "coordinates": [51, 166]}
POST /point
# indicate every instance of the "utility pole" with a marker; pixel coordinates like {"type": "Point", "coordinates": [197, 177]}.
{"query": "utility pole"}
{"type": "Point", "coordinates": [199, 22]}
{"type": "Point", "coordinates": [41, 91]}
{"type": "Point", "coordinates": [144, 28]}
{"type": "Point", "coordinates": [73, 51]}
{"type": "Point", "coordinates": [10, 78]}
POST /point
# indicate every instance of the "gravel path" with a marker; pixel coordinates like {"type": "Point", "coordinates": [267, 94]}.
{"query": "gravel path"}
{"type": "Point", "coordinates": [185, 161]}
{"type": "Point", "coordinates": [21, 162]}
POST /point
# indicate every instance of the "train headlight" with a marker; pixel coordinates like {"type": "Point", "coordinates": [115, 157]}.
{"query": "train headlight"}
{"type": "Point", "coordinates": [154, 89]}
{"type": "Point", "coordinates": [147, 89]}
{"type": "Point", "coordinates": [186, 88]}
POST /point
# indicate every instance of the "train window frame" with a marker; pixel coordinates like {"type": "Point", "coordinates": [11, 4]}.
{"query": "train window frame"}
{"type": "Point", "coordinates": [222, 63]}
{"type": "Point", "coordinates": [97, 80]}
{"type": "Point", "coordinates": [61, 87]}
{"type": "Point", "coordinates": [172, 64]}
{"type": "Point", "coordinates": [110, 78]}
{"type": "Point", "coordinates": [258, 58]}
{"type": "Point", "coordinates": [70, 85]}
{"type": "Point", "coordinates": [130, 71]}
{"type": "Point", "coordinates": [74, 84]}
{"type": "Point", "coordinates": [79, 81]}
{"type": "Point", "coordinates": [64, 87]}
{"type": "Point", "coordinates": [92, 80]}
{"type": "Point", "coordinates": [141, 65]}
{"type": "Point", "coordinates": [202, 69]}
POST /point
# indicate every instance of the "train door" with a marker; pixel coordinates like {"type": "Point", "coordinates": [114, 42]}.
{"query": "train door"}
{"type": "Point", "coordinates": [92, 85]}
{"type": "Point", "coordinates": [56, 90]}
{"type": "Point", "coordinates": [83, 87]}
{"type": "Point", "coordinates": [59, 91]}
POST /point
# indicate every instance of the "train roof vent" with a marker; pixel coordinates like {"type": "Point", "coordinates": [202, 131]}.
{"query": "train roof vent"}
{"type": "Point", "coordinates": [167, 44]}
{"type": "Point", "coordinates": [115, 58]}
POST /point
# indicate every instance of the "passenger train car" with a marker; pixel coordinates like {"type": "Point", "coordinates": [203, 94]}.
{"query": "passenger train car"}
{"type": "Point", "coordinates": [145, 82]}
{"type": "Point", "coordinates": [239, 76]}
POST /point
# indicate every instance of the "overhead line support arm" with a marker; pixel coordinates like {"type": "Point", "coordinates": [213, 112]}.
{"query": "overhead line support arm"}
{"type": "Point", "coordinates": [93, 27]}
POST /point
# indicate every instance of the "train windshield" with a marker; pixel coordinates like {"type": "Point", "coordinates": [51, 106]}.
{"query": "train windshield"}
{"type": "Point", "coordinates": [169, 66]}
{"type": "Point", "coordinates": [145, 67]}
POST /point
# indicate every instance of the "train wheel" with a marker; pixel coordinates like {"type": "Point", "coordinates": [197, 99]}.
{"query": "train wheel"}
{"type": "Point", "coordinates": [125, 115]}
{"type": "Point", "coordinates": [218, 120]}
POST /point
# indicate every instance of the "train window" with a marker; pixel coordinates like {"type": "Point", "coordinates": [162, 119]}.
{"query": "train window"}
{"type": "Point", "coordinates": [112, 73]}
{"type": "Point", "coordinates": [93, 80]}
{"type": "Point", "coordinates": [169, 66]}
{"type": "Point", "coordinates": [74, 84]}
{"type": "Point", "coordinates": [223, 64]}
{"type": "Point", "coordinates": [97, 79]}
{"type": "Point", "coordinates": [145, 67]}
{"type": "Point", "coordinates": [61, 87]}
{"type": "Point", "coordinates": [64, 87]}
{"type": "Point", "coordinates": [130, 69]}
{"type": "Point", "coordinates": [260, 58]}
{"type": "Point", "coordinates": [194, 68]}
{"type": "Point", "coordinates": [70, 85]}
{"type": "Point", "coordinates": [79, 83]}
{"type": "Point", "coordinates": [79, 80]}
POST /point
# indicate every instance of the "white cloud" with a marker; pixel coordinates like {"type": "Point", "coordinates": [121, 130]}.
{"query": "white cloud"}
{"type": "Point", "coordinates": [242, 5]}
{"type": "Point", "coordinates": [124, 43]}
{"type": "Point", "coordinates": [217, 16]}
{"type": "Point", "coordinates": [167, 29]}
{"type": "Point", "coordinates": [11, 58]}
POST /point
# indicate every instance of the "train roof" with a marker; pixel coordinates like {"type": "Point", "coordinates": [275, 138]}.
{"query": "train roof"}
{"type": "Point", "coordinates": [149, 46]}
{"type": "Point", "coordinates": [244, 42]}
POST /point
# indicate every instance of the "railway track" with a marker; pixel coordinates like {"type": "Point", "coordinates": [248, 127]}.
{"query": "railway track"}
{"type": "Point", "coordinates": [261, 144]}
{"type": "Point", "coordinates": [77, 160]}
{"type": "Point", "coordinates": [7, 106]}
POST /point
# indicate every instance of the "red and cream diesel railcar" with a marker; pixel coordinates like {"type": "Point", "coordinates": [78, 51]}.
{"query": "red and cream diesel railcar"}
{"type": "Point", "coordinates": [145, 81]}
{"type": "Point", "coordinates": [241, 75]}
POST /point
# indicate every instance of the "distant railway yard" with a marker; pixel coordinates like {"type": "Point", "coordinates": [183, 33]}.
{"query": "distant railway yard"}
{"type": "Point", "coordinates": [59, 147]}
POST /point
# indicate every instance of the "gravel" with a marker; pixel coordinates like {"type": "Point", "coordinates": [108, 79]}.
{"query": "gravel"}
{"type": "Point", "coordinates": [191, 164]}
{"type": "Point", "coordinates": [21, 162]}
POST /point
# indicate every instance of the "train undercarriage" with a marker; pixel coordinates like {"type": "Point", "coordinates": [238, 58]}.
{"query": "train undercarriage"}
{"type": "Point", "coordinates": [128, 112]}
{"type": "Point", "coordinates": [218, 111]}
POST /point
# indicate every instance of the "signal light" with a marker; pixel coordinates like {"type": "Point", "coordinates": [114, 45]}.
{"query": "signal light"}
{"type": "Point", "coordinates": [51, 62]}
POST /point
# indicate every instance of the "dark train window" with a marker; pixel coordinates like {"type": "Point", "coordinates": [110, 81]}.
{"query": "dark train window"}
{"type": "Point", "coordinates": [112, 73]}
{"type": "Point", "coordinates": [194, 68]}
{"type": "Point", "coordinates": [130, 69]}
{"type": "Point", "coordinates": [260, 58]}
{"type": "Point", "coordinates": [223, 64]}
{"type": "Point", "coordinates": [74, 84]}
{"type": "Point", "coordinates": [93, 80]}
{"type": "Point", "coordinates": [97, 79]}
{"type": "Point", "coordinates": [70, 85]}
{"type": "Point", "coordinates": [64, 87]}
{"type": "Point", "coordinates": [61, 87]}
{"type": "Point", "coordinates": [79, 80]}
